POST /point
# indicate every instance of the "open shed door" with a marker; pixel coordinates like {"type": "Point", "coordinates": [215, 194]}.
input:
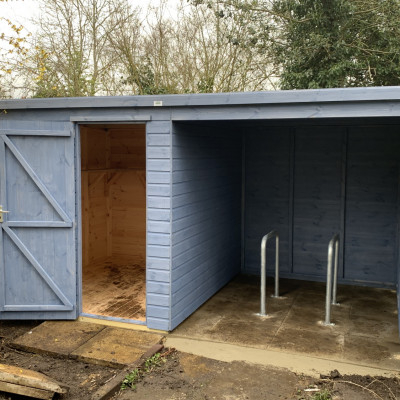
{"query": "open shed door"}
{"type": "Point", "coordinates": [38, 265]}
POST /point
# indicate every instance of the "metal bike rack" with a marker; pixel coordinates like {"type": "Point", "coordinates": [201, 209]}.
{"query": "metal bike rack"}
{"type": "Point", "coordinates": [264, 268]}
{"type": "Point", "coordinates": [331, 291]}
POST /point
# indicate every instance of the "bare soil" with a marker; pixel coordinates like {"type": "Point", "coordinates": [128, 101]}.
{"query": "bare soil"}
{"type": "Point", "coordinates": [182, 376]}
{"type": "Point", "coordinates": [83, 379]}
{"type": "Point", "coordinates": [187, 377]}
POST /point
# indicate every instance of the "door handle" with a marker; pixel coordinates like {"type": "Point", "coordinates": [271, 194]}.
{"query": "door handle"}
{"type": "Point", "coordinates": [1, 213]}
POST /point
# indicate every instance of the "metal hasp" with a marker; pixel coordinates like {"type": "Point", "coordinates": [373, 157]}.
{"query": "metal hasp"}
{"type": "Point", "coordinates": [331, 291]}
{"type": "Point", "coordinates": [264, 268]}
{"type": "Point", "coordinates": [1, 213]}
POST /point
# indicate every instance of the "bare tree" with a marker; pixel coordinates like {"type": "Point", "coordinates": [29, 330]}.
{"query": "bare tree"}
{"type": "Point", "coordinates": [198, 50]}
{"type": "Point", "coordinates": [107, 47]}
{"type": "Point", "coordinates": [78, 57]}
{"type": "Point", "coordinates": [13, 53]}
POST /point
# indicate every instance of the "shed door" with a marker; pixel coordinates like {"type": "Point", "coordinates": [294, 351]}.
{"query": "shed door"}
{"type": "Point", "coordinates": [37, 239]}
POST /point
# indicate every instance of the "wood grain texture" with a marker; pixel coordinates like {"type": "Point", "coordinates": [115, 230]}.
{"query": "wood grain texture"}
{"type": "Point", "coordinates": [38, 237]}
{"type": "Point", "coordinates": [267, 195]}
{"type": "Point", "coordinates": [372, 203]}
{"type": "Point", "coordinates": [349, 188]}
{"type": "Point", "coordinates": [158, 254]}
{"type": "Point", "coordinates": [318, 96]}
{"type": "Point", "coordinates": [115, 288]}
{"type": "Point", "coordinates": [206, 215]}
{"type": "Point", "coordinates": [317, 196]}
{"type": "Point", "coordinates": [113, 192]}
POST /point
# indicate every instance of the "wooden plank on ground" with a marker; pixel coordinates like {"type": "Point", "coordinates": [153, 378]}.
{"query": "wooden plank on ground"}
{"type": "Point", "coordinates": [113, 386]}
{"type": "Point", "coordinates": [26, 391]}
{"type": "Point", "coordinates": [28, 383]}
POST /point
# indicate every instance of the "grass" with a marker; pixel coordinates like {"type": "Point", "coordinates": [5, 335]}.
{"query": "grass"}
{"type": "Point", "coordinates": [323, 395]}
{"type": "Point", "coordinates": [134, 376]}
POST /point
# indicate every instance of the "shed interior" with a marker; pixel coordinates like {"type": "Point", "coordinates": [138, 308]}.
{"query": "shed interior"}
{"type": "Point", "coordinates": [113, 179]}
{"type": "Point", "coordinates": [235, 182]}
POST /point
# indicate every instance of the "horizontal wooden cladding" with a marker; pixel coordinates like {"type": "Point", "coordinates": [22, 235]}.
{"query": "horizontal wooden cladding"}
{"type": "Point", "coordinates": [158, 261]}
{"type": "Point", "coordinates": [35, 128]}
{"type": "Point", "coordinates": [206, 201]}
{"type": "Point", "coordinates": [158, 165]}
{"type": "Point", "coordinates": [317, 196]}
{"type": "Point", "coordinates": [158, 299]}
{"type": "Point", "coordinates": [312, 182]}
{"type": "Point", "coordinates": [113, 192]}
{"type": "Point", "coordinates": [158, 177]}
{"type": "Point", "coordinates": [267, 192]}
{"type": "Point", "coordinates": [157, 287]}
{"type": "Point", "coordinates": [113, 146]}
{"type": "Point", "coordinates": [94, 215]}
{"type": "Point", "coordinates": [162, 324]}
{"type": "Point", "coordinates": [372, 205]}
{"type": "Point", "coordinates": [158, 238]}
{"type": "Point", "coordinates": [201, 278]}
{"type": "Point", "coordinates": [202, 287]}
{"type": "Point", "coordinates": [154, 139]}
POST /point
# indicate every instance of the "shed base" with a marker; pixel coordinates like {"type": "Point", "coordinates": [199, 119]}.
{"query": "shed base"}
{"type": "Point", "coordinates": [365, 330]}
{"type": "Point", "coordinates": [113, 289]}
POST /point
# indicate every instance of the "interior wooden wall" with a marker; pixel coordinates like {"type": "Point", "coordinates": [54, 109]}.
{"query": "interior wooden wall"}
{"type": "Point", "coordinates": [113, 160]}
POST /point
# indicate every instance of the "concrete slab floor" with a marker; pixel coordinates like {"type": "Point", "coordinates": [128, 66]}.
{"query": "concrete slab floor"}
{"type": "Point", "coordinates": [365, 332]}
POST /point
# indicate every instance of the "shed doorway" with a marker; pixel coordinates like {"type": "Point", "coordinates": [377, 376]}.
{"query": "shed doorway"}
{"type": "Point", "coordinates": [113, 184]}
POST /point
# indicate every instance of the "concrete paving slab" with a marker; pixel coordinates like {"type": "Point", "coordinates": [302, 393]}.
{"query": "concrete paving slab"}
{"type": "Point", "coordinates": [373, 327]}
{"type": "Point", "coordinates": [324, 342]}
{"type": "Point", "coordinates": [310, 318]}
{"type": "Point", "coordinates": [367, 350]}
{"type": "Point", "coordinates": [116, 347]}
{"type": "Point", "coordinates": [232, 330]}
{"type": "Point", "coordinates": [57, 338]}
{"type": "Point", "coordinates": [366, 330]}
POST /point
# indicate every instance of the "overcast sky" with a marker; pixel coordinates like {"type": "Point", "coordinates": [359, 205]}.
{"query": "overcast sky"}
{"type": "Point", "coordinates": [19, 11]}
{"type": "Point", "coordinates": [22, 11]}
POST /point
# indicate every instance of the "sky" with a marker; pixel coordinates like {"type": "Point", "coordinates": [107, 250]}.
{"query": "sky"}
{"type": "Point", "coordinates": [19, 11]}
{"type": "Point", "coordinates": [22, 11]}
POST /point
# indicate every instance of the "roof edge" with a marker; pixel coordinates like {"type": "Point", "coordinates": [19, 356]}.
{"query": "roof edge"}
{"type": "Point", "coordinates": [388, 93]}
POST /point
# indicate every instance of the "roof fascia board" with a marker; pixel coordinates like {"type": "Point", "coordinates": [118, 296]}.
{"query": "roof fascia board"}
{"type": "Point", "coordinates": [212, 99]}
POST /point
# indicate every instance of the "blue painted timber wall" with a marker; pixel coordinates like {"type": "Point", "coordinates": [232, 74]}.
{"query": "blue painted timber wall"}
{"type": "Point", "coordinates": [287, 185]}
{"type": "Point", "coordinates": [158, 250]}
{"type": "Point", "coordinates": [311, 182]}
{"type": "Point", "coordinates": [206, 215]}
{"type": "Point", "coordinates": [267, 193]}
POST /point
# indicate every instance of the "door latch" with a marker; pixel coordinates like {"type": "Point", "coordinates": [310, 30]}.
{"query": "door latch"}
{"type": "Point", "coordinates": [1, 213]}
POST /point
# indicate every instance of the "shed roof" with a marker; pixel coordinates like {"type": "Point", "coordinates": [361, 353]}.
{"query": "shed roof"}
{"type": "Point", "coordinates": [356, 95]}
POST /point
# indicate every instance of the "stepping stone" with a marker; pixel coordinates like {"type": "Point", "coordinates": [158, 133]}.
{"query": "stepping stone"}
{"type": "Point", "coordinates": [93, 343]}
{"type": "Point", "coordinates": [57, 338]}
{"type": "Point", "coordinates": [116, 347]}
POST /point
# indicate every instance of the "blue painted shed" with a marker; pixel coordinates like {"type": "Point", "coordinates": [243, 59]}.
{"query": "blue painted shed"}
{"type": "Point", "coordinates": [141, 208]}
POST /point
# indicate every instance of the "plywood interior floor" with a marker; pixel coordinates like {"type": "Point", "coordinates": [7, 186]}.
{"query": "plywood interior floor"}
{"type": "Point", "coordinates": [114, 289]}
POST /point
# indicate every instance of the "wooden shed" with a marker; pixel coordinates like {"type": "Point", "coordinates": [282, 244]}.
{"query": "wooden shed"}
{"type": "Point", "coordinates": [141, 208]}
